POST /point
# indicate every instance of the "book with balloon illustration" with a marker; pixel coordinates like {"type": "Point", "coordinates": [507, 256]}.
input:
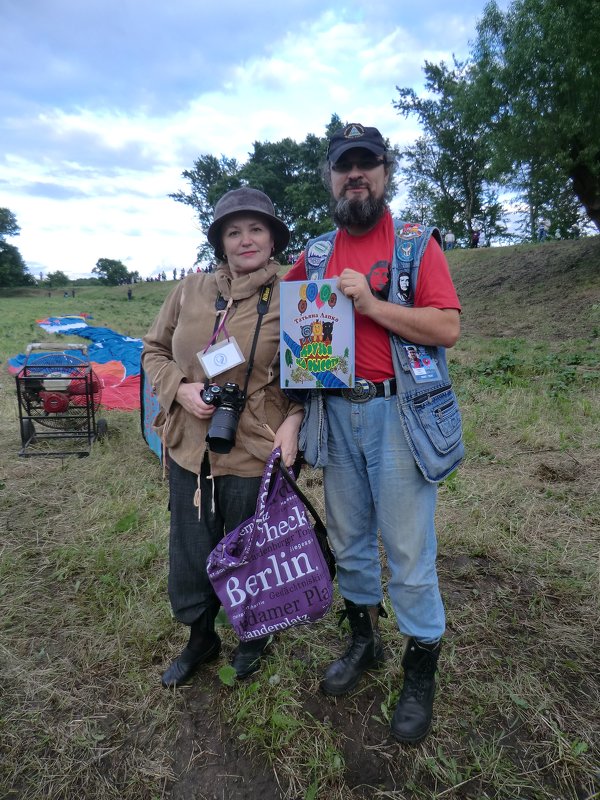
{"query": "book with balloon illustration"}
{"type": "Point", "coordinates": [317, 336]}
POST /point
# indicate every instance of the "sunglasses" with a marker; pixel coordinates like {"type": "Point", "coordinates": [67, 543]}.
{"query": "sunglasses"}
{"type": "Point", "coordinates": [362, 164]}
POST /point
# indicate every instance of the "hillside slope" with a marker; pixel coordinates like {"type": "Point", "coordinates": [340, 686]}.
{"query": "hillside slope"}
{"type": "Point", "coordinates": [532, 291]}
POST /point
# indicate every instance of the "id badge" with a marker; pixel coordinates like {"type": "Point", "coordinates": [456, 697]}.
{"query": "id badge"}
{"type": "Point", "coordinates": [422, 366]}
{"type": "Point", "coordinates": [220, 357]}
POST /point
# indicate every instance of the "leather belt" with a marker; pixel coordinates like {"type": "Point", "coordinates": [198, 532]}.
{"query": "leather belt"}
{"type": "Point", "coordinates": [364, 390]}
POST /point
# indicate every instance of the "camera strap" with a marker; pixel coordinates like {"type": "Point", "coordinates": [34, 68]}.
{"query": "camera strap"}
{"type": "Point", "coordinates": [264, 301]}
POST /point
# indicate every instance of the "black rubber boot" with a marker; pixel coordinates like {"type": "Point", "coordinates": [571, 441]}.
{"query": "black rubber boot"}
{"type": "Point", "coordinates": [412, 718]}
{"type": "Point", "coordinates": [365, 650]}
{"type": "Point", "coordinates": [204, 645]}
{"type": "Point", "coordinates": [247, 656]}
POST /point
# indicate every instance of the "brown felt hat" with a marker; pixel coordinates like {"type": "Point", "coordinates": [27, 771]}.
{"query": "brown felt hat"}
{"type": "Point", "coordinates": [251, 201]}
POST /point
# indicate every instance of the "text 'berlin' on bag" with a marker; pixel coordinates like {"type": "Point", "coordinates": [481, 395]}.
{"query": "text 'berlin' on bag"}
{"type": "Point", "coordinates": [275, 570]}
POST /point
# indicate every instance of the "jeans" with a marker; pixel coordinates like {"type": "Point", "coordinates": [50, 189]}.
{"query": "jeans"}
{"type": "Point", "coordinates": [192, 539]}
{"type": "Point", "coordinates": [373, 484]}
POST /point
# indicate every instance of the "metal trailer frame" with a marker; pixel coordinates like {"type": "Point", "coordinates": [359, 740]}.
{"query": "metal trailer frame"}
{"type": "Point", "coordinates": [43, 382]}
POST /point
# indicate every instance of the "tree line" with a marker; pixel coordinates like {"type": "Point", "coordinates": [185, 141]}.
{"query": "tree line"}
{"type": "Point", "coordinates": [14, 270]}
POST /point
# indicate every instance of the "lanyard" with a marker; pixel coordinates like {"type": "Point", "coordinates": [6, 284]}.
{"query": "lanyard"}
{"type": "Point", "coordinates": [222, 307]}
{"type": "Point", "coordinates": [222, 311]}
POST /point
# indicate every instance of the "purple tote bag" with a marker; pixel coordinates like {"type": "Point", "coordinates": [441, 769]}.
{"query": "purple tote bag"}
{"type": "Point", "coordinates": [275, 570]}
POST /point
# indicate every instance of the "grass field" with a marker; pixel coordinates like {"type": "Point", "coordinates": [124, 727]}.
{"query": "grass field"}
{"type": "Point", "coordinates": [85, 627]}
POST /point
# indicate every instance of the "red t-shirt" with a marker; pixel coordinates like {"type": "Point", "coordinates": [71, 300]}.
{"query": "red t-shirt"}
{"type": "Point", "coordinates": [371, 254]}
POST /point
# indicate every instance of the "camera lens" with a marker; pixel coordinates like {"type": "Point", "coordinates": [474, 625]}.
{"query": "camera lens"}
{"type": "Point", "coordinates": [221, 434]}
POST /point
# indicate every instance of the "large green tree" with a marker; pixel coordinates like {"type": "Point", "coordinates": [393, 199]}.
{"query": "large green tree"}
{"type": "Point", "coordinates": [210, 178]}
{"type": "Point", "coordinates": [8, 223]}
{"type": "Point", "coordinates": [288, 171]}
{"type": "Point", "coordinates": [13, 269]}
{"type": "Point", "coordinates": [537, 68]}
{"type": "Point", "coordinates": [58, 278]}
{"type": "Point", "coordinates": [111, 272]}
{"type": "Point", "coordinates": [450, 162]}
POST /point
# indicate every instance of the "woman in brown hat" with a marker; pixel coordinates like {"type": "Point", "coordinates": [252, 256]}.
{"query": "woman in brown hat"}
{"type": "Point", "coordinates": [212, 356]}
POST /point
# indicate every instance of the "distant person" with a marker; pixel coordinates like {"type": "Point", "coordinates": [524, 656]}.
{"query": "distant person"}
{"type": "Point", "coordinates": [129, 294]}
{"type": "Point", "coordinates": [475, 239]}
{"type": "Point", "coordinates": [213, 487]}
{"type": "Point", "coordinates": [72, 292]}
{"type": "Point", "coordinates": [543, 229]}
{"type": "Point", "coordinates": [449, 240]}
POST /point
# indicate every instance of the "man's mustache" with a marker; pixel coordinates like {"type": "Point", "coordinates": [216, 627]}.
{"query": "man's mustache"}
{"type": "Point", "coordinates": [355, 183]}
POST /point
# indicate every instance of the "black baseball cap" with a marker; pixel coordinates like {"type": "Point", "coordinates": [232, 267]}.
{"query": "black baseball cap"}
{"type": "Point", "coordinates": [355, 135]}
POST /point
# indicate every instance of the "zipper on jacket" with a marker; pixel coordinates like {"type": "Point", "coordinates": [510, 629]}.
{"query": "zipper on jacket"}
{"type": "Point", "coordinates": [439, 411]}
{"type": "Point", "coordinates": [426, 397]}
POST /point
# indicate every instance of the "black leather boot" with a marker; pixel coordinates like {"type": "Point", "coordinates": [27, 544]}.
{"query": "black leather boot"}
{"type": "Point", "coordinates": [204, 645]}
{"type": "Point", "coordinates": [247, 656]}
{"type": "Point", "coordinates": [365, 650]}
{"type": "Point", "coordinates": [412, 718]}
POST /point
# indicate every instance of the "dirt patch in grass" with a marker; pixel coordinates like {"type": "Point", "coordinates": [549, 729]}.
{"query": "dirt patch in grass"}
{"type": "Point", "coordinates": [209, 756]}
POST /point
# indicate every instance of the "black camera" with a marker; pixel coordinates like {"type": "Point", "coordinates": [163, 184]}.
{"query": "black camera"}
{"type": "Point", "coordinates": [229, 402]}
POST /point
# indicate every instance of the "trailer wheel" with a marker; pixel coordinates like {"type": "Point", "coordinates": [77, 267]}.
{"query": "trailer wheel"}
{"type": "Point", "coordinates": [101, 429]}
{"type": "Point", "coordinates": [27, 432]}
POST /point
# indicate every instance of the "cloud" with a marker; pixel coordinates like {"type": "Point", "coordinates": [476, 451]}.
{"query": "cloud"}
{"type": "Point", "coordinates": [134, 54]}
{"type": "Point", "coordinates": [53, 191]}
{"type": "Point", "coordinates": [104, 103]}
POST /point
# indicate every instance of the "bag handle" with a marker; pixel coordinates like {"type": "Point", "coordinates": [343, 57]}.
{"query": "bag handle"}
{"type": "Point", "coordinates": [266, 484]}
{"type": "Point", "coordinates": [319, 525]}
{"type": "Point", "coordinates": [264, 492]}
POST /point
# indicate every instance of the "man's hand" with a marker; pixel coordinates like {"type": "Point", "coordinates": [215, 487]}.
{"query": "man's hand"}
{"type": "Point", "coordinates": [427, 325]}
{"type": "Point", "coordinates": [355, 286]}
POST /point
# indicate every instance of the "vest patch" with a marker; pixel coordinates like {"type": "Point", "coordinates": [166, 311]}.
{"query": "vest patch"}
{"type": "Point", "coordinates": [406, 250]}
{"type": "Point", "coordinates": [318, 253]}
{"type": "Point", "coordinates": [404, 292]}
{"type": "Point", "coordinates": [411, 230]}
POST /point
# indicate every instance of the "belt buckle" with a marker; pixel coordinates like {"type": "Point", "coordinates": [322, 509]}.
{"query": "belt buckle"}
{"type": "Point", "coordinates": [362, 391]}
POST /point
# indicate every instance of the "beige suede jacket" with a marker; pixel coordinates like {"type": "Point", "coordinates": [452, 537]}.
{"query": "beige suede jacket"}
{"type": "Point", "coordinates": [184, 326]}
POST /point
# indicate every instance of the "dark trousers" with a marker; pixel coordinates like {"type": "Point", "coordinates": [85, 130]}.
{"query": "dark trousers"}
{"type": "Point", "coordinates": [192, 539]}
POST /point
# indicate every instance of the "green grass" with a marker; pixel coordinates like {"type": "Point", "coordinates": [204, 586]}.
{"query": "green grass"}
{"type": "Point", "coordinates": [85, 629]}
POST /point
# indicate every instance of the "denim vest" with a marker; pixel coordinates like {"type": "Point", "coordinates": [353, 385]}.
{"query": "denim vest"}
{"type": "Point", "coordinates": [428, 411]}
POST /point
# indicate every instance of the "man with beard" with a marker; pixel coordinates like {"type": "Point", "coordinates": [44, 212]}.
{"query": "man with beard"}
{"type": "Point", "coordinates": [375, 469]}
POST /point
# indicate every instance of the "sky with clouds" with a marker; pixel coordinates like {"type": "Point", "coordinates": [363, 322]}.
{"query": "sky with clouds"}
{"type": "Point", "coordinates": [104, 103]}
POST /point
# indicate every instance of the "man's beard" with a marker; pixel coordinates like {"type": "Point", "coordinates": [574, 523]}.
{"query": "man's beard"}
{"type": "Point", "coordinates": [358, 213]}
